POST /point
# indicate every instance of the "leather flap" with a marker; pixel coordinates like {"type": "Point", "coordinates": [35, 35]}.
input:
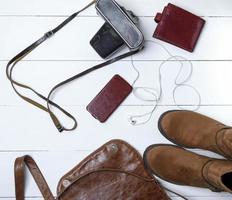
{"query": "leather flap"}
{"type": "Point", "coordinates": [115, 154]}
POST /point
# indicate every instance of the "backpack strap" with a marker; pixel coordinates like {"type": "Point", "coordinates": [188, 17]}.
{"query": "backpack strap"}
{"type": "Point", "coordinates": [19, 172]}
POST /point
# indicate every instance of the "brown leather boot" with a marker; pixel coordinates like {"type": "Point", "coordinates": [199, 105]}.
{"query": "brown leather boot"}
{"type": "Point", "coordinates": [192, 130]}
{"type": "Point", "coordinates": [179, 166]}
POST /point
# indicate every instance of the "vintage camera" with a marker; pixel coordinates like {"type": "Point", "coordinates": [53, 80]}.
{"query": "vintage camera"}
{"type": "Point", "coordinates": [120, 28]}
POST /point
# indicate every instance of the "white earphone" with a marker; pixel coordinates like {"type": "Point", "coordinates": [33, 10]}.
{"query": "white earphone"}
{"type": "Point", "coordinates": [157, 93]}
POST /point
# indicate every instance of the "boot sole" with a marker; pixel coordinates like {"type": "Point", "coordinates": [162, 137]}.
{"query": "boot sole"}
{"type": "Point", "coordinates": [164, 133]}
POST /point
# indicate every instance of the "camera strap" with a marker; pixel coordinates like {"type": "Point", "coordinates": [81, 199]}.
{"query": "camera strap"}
{"type": "Point", "coordinates": [47, 108]}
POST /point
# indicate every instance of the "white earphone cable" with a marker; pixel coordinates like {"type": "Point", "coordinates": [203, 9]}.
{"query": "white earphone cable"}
{"type": "Point", "coordinates": [157, 94]}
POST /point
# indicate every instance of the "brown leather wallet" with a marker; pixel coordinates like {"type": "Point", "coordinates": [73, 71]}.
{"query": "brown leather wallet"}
{"type": "Point", "coordinates": [109, 98]}
{"type": "Point", "coordinates": [178, 27]}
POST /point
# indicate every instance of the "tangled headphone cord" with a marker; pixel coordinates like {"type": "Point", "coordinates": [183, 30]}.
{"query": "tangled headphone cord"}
{"type": "Point", "coordinates": [157, 93]}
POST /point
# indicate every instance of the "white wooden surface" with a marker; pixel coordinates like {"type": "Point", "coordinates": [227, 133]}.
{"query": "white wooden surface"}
{"type": "Point", "coordinates": [26, 130]}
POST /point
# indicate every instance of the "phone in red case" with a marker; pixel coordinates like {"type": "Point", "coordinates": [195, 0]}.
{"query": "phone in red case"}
{"type": "Point", "coordinates": [109, 98]}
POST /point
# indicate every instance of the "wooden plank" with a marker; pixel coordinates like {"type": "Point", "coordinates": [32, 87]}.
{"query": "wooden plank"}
{"type": "Point", "coordinates": [148, 8]}
{"type": "Point", "coordinates": [72, 43]}
{"type": "Point", "coordinates": [25, 128]}
{"type": "Point", "coordinates": [53, 170]}
{"type": "Point", "coordinates": [211, 79]}
{"type": "Point", "coordinates": [174, 198]}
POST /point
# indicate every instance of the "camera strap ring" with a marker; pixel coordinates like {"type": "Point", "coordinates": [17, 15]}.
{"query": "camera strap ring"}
{"type": "Point", "coordinates": [12, 63]}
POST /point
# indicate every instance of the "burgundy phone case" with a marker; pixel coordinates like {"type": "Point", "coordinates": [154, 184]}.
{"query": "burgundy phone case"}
{"type": "Point", "coordinates": [109, 98]}
{"type": "Point", "coordinates": [178, 27]}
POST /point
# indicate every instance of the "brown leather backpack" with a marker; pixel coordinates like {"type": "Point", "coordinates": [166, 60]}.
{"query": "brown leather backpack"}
{"type": "Point", "coordinates": [113, 172]}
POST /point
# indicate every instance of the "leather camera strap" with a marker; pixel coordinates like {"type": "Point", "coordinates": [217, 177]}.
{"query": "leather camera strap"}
{"type": "Point", "coordinates": [11, 64]}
